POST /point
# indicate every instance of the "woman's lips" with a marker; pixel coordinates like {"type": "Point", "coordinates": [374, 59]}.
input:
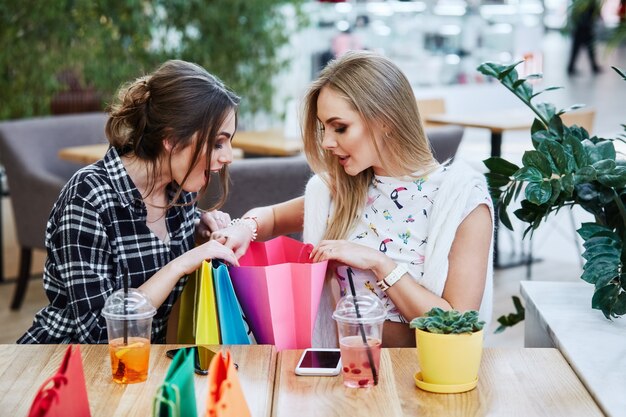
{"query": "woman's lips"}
{"type": "Point", "coordinates": [343, 160]}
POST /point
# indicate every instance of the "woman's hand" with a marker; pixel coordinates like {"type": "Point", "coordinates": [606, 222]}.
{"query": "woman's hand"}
{"type": "Point", "coordinates": [236, 237]}
{"type": "Point", "coordinates": [211, 221]}
{"type": "Point", "coordinates": [192, 260]}
{"type": "Point", "coordinates": [352, 254]}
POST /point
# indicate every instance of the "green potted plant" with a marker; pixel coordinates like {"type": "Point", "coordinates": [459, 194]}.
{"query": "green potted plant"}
{"type": "Point", "coordinates": [566, 168]}
{"type": "Point", "coordinates": [108, 42]}
{"type": "Point", "coordinates": [449, 350]}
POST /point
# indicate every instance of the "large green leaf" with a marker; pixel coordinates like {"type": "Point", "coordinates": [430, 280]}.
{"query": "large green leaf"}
{"type": "Point", "coordinates": [596, 250]}
{"type": "Point", "coordinates": [537, 160]}
{"type": "Point", "coordinates": [491, 69]}
{"type": "Point", "coordinates": [616, 178]}
{"type": "Point", "coordinates": [604, 165]}
{"type": "Point", "coordinates": [587, 230]}
{"type": "Point", "coordinates": [497, 180]}
{"type": "Point", "coordinates": [546, 110]}
{"type": "Point", "coordinates": [585, 174]}
{"type": "Point", "coordinates": [500, 166]}
{"type": "Point", "coordinates": [530, 174]}
{"type": "Point", "coordinates": [557, 155]}
{"type": "Point", "coordinates": [538, 192]}
{"type": "Point", "coordinates": [604, 298]}
{"type": "Point", "coordinates": [598, 152]}
{"type": "Point", "coordinates": [604, 238]}
{"type": "Point", "coordinates": [600, 273]}
{"type": "Point", "coordinates": [504, 217]}
{"type": "Point", "coordinates": [619, 308]}
{"type": "Point", "coordinates": [576, 148]}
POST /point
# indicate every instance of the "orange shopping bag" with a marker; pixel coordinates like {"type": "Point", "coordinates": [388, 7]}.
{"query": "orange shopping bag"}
{"type": "Point", "coordinates": [65, 393]}
{"type": "Point", "coordinates": [226, 398]}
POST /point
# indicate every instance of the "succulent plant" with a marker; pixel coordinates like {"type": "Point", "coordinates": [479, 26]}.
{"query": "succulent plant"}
{"type": "Point", "coordinates": [442, 321]}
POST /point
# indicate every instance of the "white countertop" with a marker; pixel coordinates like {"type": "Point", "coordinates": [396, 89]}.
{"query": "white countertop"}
{"type": "Point", "coordinates": [594, 346]}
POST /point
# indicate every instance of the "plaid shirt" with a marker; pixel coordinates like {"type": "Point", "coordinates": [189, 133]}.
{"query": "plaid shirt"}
{"type": "Point", "coordinates": [96, 230]}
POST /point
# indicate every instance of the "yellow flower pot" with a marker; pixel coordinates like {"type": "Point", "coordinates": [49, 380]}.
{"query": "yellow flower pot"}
{"type": "Point", "coordinates": [449, 359]}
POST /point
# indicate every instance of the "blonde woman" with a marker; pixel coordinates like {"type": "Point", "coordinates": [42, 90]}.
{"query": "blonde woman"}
{"type": "Point", "coordinates": [415, 233]}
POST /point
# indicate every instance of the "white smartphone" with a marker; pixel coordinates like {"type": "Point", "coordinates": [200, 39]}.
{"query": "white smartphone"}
{"type": "Point", "coordinates": [319, 362]}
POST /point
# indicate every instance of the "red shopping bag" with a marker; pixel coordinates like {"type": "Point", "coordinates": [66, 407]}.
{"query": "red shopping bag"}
{"type": "Point", "coordinates": [65, 393]}
{"type": "Point", "coordinates": [279, 290]}
{"type": "Point", "coordinates": [226, 397]}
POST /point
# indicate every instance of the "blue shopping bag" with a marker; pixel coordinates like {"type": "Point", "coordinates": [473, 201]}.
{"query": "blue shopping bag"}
{"type": "Point", "coordinates": [234, 329]}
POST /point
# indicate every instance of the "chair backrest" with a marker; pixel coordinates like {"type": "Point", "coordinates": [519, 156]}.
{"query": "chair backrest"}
{"type": "Point", "coordinates": [29, 152]}
{"type": "Point", "coordinates": [445, 141]}
{"type": "Point", "coordinates": [260, 182]}
{"type": "Point", "coordinates": [583, 118]}
{"type": "Point", "coordinates": [430, 106]}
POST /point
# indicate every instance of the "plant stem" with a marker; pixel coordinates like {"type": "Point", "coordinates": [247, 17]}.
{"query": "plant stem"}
{"type": "Point", "coordinates": [529, 104]}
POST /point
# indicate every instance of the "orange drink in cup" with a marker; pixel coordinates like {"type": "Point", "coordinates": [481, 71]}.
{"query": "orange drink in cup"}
{"type": "Point", "coordinates": [129, 362]}
{"type": "Point", "coordinates": [129, 324]}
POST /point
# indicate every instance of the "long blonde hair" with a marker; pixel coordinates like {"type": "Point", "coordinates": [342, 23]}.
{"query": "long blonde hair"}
{"type": "Point", "coordinates": [381, 94]}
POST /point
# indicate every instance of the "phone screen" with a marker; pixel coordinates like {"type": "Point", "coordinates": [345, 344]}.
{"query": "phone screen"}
{"type": "Point", "coordinates": [320, 359]}
{"type": "Point", "coordinates": [202, 357]}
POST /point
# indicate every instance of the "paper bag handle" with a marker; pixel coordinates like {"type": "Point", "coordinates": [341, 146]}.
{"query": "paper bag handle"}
{"type": "Point", "coordinates": [160, 399]}
{"type": "Point", "coordinates": [305, 253]}
{"type": "Point", "coordinates": [46, 395]}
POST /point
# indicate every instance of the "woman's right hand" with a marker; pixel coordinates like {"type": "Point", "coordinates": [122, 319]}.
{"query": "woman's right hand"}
{"type": "Point", "coordinates": [212, 249]}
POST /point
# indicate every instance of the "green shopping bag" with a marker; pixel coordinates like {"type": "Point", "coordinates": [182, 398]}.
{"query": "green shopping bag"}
{"type": "Point", "coordinates": [176, 397]}
{"type": "Point", "coordinates": [198, 319]}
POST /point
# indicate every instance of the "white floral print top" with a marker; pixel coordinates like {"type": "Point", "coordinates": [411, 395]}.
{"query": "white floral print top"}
{"type": "Point", "coordinates": [395, 221]}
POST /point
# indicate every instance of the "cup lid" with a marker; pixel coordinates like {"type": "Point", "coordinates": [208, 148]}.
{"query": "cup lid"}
{"type": "Point", "coordinates": [133, 305]}
{"type": "Point", "coordinates": [370, 309]}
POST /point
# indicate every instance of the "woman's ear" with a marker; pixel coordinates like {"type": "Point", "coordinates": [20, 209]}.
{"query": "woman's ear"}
{"type": "Point", "coordinates": [168, 144]}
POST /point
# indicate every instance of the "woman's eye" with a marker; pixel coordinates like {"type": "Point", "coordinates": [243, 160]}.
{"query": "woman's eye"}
{"type": "Point", "coordinates": [340, 129]}
{"type": "Point", "coordinates": [218, 146]}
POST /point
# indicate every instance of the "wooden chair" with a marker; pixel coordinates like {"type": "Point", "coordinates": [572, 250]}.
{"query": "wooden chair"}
{"type": "Point", "coordinates": [430, 106]}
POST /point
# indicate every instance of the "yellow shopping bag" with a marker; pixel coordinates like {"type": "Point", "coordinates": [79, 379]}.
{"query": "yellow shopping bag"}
{"type": "Point", "coordinates": [198, 321]}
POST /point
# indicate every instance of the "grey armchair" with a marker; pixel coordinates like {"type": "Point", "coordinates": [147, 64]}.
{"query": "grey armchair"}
{"type": "Point", "coordinates": [28, 151]}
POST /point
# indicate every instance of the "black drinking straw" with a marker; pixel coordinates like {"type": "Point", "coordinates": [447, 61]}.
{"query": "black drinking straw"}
{"type": "Point", "coordinates": [368, 349]}
{"type": "Point", "coordinates": [125, 284]}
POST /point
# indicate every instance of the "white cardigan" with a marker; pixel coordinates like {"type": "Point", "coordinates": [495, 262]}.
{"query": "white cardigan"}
{"type": "Point", "coordinates": [445, 218]}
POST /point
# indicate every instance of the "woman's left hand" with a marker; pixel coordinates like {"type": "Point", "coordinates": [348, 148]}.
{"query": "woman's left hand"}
{"type": "Point", "coordinates": [211, 221]}
{"type": "Point", "coordinates": [348, 253]}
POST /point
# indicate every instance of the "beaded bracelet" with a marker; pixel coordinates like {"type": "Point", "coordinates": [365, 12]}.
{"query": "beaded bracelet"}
{"type": "Point", "coordinates": [253, 229]}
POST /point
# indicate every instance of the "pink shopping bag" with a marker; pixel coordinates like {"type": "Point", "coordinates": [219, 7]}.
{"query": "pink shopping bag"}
{"type": "Point", "coordinates": [64, 394]}
{"type": "Point", "coordinates": [279, 290]}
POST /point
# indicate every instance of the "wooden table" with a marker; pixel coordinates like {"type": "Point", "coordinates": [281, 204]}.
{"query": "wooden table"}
{"type": "Point", "coordinates": [24, 368]}
{"type": "Point", "coordinates": [86, 154]}
{"type": "Point", "coordinates": [267, 143]}
{"type": "Point", "coordinates": [512, 382]}
{"type": "Point", "coordinates": [263, 143]}
{"type": "Point", "coordinates": [496, 122]}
